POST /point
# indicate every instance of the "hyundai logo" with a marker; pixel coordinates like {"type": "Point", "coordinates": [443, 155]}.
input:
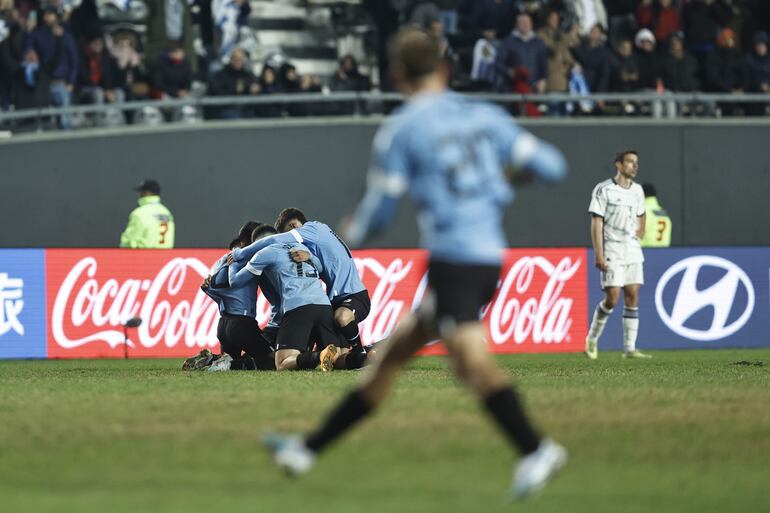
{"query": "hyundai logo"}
{"type": "Point", "coordinates": [720, 296]}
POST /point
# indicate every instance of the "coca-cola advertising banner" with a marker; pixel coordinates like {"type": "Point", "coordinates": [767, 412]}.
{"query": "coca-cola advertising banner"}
{"type": "Point", "coordinates": [540, 304]}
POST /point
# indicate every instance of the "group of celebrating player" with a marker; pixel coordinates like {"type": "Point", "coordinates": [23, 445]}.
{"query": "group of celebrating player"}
{"type": "Point", "coordinates": [308, 328]}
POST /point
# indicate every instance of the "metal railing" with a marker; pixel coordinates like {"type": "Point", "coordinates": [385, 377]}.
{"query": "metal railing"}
{"type": "Point", "coordinates": [198, 109]}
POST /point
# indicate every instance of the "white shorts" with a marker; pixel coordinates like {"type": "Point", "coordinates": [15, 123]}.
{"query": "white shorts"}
{"type": "Point", "coordinates": [620, 275]}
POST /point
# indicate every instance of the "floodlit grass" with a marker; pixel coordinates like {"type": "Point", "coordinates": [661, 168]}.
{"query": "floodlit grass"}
{"type": "Point", "coordinates": [685, 432]}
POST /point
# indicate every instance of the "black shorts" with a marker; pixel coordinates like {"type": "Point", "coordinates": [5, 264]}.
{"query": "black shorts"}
{"type": "Point", "coordinates": [459, 292]}
{"type": "Point", "coordinates": [238, 334]}
{"type": "Point", "coordinates": [308, 325]}
{"type": "Point", "coordinates": [270, 333]}
{"type": "Point", "coordinates": [359, 303]}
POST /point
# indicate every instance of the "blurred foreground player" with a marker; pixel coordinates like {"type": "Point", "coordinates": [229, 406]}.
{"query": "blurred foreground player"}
{"type": "Point", "coordinates": [449, 153]}
{"type": "Point", "coordinates": [617, 224]}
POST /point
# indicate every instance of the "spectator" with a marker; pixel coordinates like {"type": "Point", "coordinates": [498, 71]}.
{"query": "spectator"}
{"type": "Point", "coordinates": [726, 69]}
{"type": "Point", "coordinates": [169, 24]}
{"type": "Point", "coordinates": [587, 13]}
{"type": "Point", "coordinates": [759, 64]}
{"type": "Point", "coordinates": [484, 74]}
{"type": "Point", "coordinates": [347, 77]}
{"type": "Point", "coordinates": [268, 80]}
{"type": "Point", "coordinates": [44, 41]}
{"type": "Point", "coordinates": [679, 69]}
{"type": "Point", "coordinates": [131, 75]}
{"type": "Point", "coordinates": [524, 49]}
{"type": "Point", "coordinates": [235, 79]}
{"type": "Point", "coordinates": [660, 16]}
{"type": "Point", "coordinates": [268, 84]}
{"type": "Point", "coordinates": [648, 61]}
{"type": "Point", "coordinates": [559, 44]}
{"type": "Point", "coordinates": [97, 77]}
{"type": "Point", "coordinates": [288, 79]}
{"type": "Point", "coordinates": [596, 61]}
{"type": "Point", "coordinates": [173, 75]}
{"type": "Point", "coordinates": [625, 73]}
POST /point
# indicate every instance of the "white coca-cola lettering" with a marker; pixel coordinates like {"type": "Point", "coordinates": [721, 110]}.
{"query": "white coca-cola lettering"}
{"type": "Point", "coordinates": [167, 317]}
{"type": "Point", "coordinates": [544, 319]}
{"type": "Point", "coordinates": [385, 311]}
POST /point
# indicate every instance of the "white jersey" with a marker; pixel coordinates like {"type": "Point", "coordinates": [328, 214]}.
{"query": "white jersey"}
{"type": "Point", "coordinates": [621, 209]}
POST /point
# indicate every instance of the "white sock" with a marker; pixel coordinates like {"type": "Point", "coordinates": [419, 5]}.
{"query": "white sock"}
{"type": "Point", "coordinates": [630, 328]}
{"type": "Point", "coordinates": [599, 321]}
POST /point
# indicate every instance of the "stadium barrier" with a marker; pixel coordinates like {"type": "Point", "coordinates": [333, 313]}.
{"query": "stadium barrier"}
{"type": "Point", "coordinates": [190, 110]}
{"type": "Point", "coordinates": [74, 303]}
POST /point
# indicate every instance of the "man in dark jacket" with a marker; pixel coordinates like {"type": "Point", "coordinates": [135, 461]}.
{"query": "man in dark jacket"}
{"type": "Point", "coordinates": [726, 70]}
{"type": "Point", "coordinates": [679, 69]}
{"type": "Point", "coordinates": [524, 49]}
{"type": "Point", "coordinates": [596, 60]}
{"type": "Point", "coordinates": [43, 41]}
{"type": "Point", "coordinates": [759, 64]}
{"type": "Point", "coordinates": [172, 75]}
{"type": "Point", "coordinates": [235, 79]}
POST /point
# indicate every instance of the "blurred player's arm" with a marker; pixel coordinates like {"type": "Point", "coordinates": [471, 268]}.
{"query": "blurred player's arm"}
{"type": "Point", "coordinates": [642, 226]}
{"type": "Point", "coordinates": [132, 235]}
{"type": "Point", "coordinates": [528, 158]}
{"type": "Point", "coordinates": [386, 183]}
{"type": "Point", "coordinates": [597, 240]}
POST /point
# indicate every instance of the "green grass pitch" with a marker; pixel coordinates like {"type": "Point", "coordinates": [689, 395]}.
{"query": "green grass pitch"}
{"type": "Point", "coordinates": [685, 432]}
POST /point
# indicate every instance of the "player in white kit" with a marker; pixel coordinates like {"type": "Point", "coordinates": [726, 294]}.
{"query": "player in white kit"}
{"type": "Point", "coordinates": [617, 225]}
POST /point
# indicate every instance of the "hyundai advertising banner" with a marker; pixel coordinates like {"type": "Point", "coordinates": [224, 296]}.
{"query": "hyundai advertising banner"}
{"type": "Point", "coordinates": [697, 298]}
{"type": "Point", "coordinates": [73, 303]}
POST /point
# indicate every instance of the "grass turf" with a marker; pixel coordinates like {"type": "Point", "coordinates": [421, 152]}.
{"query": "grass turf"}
{"type": "Point", "coordinates": [685, 432]}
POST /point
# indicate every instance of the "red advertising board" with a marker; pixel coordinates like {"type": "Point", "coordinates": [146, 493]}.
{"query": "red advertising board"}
{"type": "Point", "coordinates": [540, 305]}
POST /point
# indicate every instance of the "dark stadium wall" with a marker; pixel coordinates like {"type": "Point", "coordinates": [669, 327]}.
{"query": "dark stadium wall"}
{"type": "Point", "coordinates": [75, 190]}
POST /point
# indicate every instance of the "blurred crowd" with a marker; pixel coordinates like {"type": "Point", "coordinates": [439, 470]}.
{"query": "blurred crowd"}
{"type": "Point", "coordinates": [62, 52]}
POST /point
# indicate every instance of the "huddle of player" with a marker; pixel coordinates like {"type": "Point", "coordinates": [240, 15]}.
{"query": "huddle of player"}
{"type": "Point", "coordinates": [309, 328]}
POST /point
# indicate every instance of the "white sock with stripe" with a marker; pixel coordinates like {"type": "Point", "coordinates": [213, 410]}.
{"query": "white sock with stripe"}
{"type": "Point", "coordinates": [630, 328]}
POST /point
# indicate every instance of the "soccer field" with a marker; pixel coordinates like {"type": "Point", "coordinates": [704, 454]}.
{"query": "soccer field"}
{"type": "Point", "coordinates": [686, 431]}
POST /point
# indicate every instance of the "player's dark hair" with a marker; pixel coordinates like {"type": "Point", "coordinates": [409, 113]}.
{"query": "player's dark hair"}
{"type": "Point", "coordinates": [649, 189]}
{"type": "Point", "coordinates": [286, 215]}
{"type": "Point", "coordinates": [234, 243]}
{"type": "Point", "coordinates": [263, 230]}
{"type": "Point", "coordinates": [414, 53]}
{"type": "Point", "coordinates": [621, 155]}
{"type": "Point", "coordinates": [244, 234]}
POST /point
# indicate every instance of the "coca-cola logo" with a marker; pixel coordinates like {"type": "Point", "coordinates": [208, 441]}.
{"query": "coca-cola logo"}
{"type": "Point", "coordinates": [519, 312]}
{"type": "Point", "coordinates": [170, 315]}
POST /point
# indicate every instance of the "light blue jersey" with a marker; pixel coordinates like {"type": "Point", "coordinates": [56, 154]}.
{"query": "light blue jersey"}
{"type": "Point", "coordinates": [234, 300]}
{"type": "Point", "coordinates": [338, 268]}
{"type": "Point", "coordinates": [451, 153]}
{"type": "Point", "coordinates": [297, 283]}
